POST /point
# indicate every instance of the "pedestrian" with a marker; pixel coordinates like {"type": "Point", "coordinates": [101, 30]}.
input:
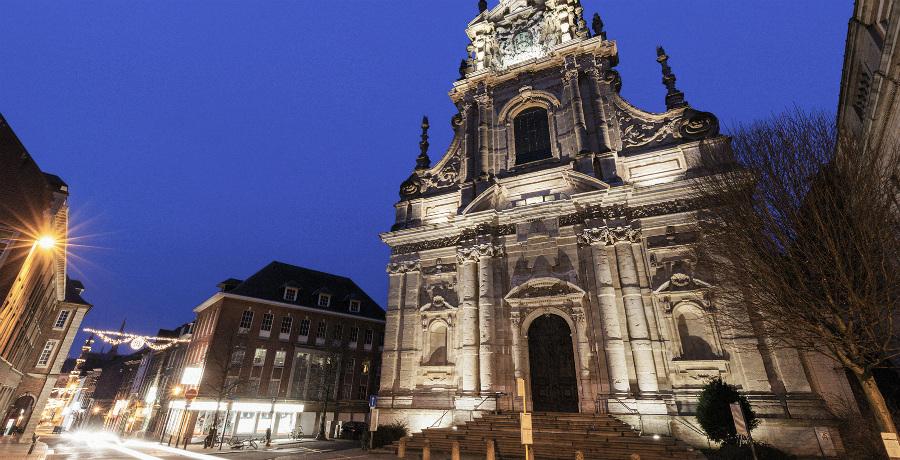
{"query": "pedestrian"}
{"type": "Point", "coordinates": [268, 437]}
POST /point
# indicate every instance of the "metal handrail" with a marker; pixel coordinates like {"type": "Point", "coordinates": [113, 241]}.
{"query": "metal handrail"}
{"type": "Point", "coordinates": [606, 397]}
{"type": "Point", "coordinates": [694, 429]}
{"type": "Point", "coordinates": [440, 418]}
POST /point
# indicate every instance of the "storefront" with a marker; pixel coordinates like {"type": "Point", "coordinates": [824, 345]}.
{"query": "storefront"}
{"type": "Point", "coordinates": [241, 418]}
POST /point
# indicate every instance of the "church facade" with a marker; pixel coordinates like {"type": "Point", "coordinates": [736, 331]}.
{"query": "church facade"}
{"type": "Point", "coordinates": [551, 243]}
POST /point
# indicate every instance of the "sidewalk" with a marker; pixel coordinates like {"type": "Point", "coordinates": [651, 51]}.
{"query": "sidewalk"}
{"type": "Point", "coordinates": [10, 450]}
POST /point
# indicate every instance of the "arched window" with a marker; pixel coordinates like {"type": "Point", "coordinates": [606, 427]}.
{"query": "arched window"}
{"type": "Point", "coordinates": [532, 132]}
{"type": "Point", "coordinates": [437, 341]}
{"type": "Point", "coordinates": [694, 335]}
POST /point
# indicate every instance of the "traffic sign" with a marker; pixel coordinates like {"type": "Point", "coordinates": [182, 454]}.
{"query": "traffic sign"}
{"type": "Point", "coordinates": [190, 394]}
{"type": "Point", "coordinates": [372, 400]}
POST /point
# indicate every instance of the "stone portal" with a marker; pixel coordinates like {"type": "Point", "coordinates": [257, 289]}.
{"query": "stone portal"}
{"type": "Point", "coordinates": [552, 365]}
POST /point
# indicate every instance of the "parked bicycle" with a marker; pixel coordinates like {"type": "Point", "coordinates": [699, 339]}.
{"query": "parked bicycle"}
{"type": "Point", "coordinates": [296, 433]}
{"type": "Point", "coordinates": [236, 443]}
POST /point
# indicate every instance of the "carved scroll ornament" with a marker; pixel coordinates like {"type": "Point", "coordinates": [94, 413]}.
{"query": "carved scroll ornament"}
{"type": "Point", "coordinates": [474, 253]}
{"type": "Point", "coordinates": [405, 266]}
{"type": "Point", "coordinates": [610, 236]}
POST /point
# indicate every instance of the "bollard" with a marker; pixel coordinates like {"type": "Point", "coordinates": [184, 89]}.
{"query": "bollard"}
{"type": "Point", "coordinates": [490, 450]}
{"type": "Point", "coordinates": [401, 448]}
{"type": "Point", "coordinates": [579, 455]}
{"type": "Point", "coordinates": [426, 450]}
{"type": "Point", "coordinates": [455, 452]}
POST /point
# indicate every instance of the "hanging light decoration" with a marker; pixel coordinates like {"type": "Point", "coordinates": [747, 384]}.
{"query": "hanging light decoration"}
{"type": "Point", "coordinates": [135, 341]}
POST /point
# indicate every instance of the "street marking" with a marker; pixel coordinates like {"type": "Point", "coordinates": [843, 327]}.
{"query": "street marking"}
{"type": "Point", "coordinates": [186, 453]}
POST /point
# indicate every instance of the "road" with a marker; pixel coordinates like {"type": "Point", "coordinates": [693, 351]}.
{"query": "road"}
{"type": "Point", "coordinates": [107, 448]}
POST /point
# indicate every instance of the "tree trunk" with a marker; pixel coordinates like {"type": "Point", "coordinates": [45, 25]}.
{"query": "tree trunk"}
{"type": "Point", "coordinates": [321, 435]}
{"type": "Point", "coordinates": [876, 402]}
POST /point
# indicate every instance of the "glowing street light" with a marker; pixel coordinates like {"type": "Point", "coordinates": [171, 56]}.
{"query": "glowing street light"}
{"type": "Point", "coordinates": [46, 242]}
{"type": "Point", "coordinates": [176, 391]}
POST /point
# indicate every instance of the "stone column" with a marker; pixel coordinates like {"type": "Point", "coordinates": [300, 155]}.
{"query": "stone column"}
{"type": "Point", "coordinates": [393, 326]}
{"type": "Point", "coordinates": [638, 330]}
{"type": "Point", "coordinates": [468, 321]}
{"type": "Point", "coordinates": [571, 76]}
{"type": "Point", "coordinates": [584, 353]}
{"type": "Point", "coordinates": [617, 363]}
{"type": "Point", "coordinates": [484, 116]}
{"type": "Point", "coordinates": [485, 313]}
{"type": "Point", "coordinates": [515, 323]}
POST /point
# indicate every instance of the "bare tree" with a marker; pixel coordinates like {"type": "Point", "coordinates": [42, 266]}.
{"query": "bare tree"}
{"type": "Point", "coordinates": [801, 233]}
{"type": "Point", "coordinates": [323, 381]}
{"type": "Point", "coordinates": [223, 360]}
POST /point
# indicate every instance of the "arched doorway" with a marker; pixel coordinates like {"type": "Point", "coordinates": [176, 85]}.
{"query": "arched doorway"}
{"type": "Point", "coordinates": [552, 365]}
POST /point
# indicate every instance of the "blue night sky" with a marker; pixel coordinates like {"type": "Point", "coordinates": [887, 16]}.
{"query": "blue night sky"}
{"type": "Point", "coordinates": [202, 140]}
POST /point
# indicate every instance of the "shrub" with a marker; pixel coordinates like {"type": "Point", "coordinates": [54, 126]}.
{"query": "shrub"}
{"type": "Point", "coordinates": [714, 411]}
{"type": "Point", "coordinates": [385, 435]}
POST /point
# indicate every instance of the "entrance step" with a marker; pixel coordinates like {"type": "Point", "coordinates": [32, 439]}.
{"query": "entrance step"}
{"type": "Point", "coordinates": [557, 436]}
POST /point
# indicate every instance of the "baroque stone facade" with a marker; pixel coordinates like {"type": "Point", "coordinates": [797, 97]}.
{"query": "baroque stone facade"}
{"type": "Point", "coordinates": [562, 214]}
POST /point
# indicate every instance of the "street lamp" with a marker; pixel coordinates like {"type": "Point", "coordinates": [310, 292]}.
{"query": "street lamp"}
{"type": "Point", "coordinates": [46, 242]}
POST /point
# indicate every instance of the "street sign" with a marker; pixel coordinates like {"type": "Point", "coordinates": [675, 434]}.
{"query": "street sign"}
{"type": "Point", "coordinates": [740, 424]}
{"type": "Point", "coordinates": [373, 421]}
{"type": "Point", "coordinates": [273, 400]}
{"type": "Point", "coordinates": [526, 428]}
{"type": "Point", "coordinates": [372, 400]}
{"type": "Point", "coordinates": [190, 394]}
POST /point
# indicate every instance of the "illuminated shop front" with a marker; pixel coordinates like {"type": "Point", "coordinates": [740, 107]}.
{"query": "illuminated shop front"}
{"type": "Point", "coordinates": [242, 418]}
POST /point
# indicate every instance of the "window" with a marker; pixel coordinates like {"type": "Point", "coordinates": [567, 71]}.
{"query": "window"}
{"type": "Point", "coordinates": [363, 392]}
{"type": "Point", "coordinates": [337, 333]}
{"type": "Point", "coordinates": [6, 235]}
{"type": "Point", "coordinates": [259, 358]}
{"type": "Point", "coordinates": [304, 327]}
{"type": "Point", "coordinates": [349, 368]}
{"type": "Point", "coordinates": [365, 367]}
{"type": "Point", "coordinates": [286, 325]}
{"type": "Point", "coordinates": [252, 388]}
{"type": "Point", "coordinates": [348, 391]}
{"type": "Point", "coordinates": [237, 357]}
{"type": "Point", "coordinates": [267, 322]}
{"type": "Point", "coordinates": [532, 133]}
{"type": "Point", "coordinates": [354, 305]}
{"type": "Point", "coordinates": [320, 333]}
{"type": "Point", "coordinates": [324, 300]}
{"type": "Point", "coordinates": [290, 294]}
{"type": "Point", "coordinates": [279, 358]}
{"type": "Point", "coordinates": [61, 320]}
{"type": "Point", "coordinates": [354, 335]}
{"type": "Point", "coordinates": [274, 386]}
{"type": "Point", "coordinates": [246, 321]}
{"type": "Point", "coordinates": [45, 353]}
{"type": "Point", "coordinates": [370, 335]}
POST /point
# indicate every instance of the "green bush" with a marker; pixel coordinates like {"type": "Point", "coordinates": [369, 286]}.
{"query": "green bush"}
{"type": "Point", "coordinates": [714, 411]}
{"type": "Point", "coordinates": [385, 435]}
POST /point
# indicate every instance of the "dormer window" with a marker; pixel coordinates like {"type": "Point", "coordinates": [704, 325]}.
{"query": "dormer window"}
{"type": "Point", "coordinates": [324, 300]}
{"type": "Point", "coordinates": [290, 294]}
{"type": "Point", "coordinates": [354, 306]}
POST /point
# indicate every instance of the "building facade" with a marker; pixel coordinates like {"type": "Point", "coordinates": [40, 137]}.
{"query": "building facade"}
{"type": "Point", "coordinates": [41, 307]}
{"type": "Point", "coordinates": [551, 243]}
{"type": "Point", "coordinates": [871, 76]}
{"type": "Point", "coordinates": [266, 351]}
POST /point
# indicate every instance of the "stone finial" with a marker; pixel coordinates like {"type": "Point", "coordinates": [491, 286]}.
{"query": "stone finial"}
{"type": "Point", "coordinates": [597, 25]}
{"type": "Point", "coordinates": [423, 162]}
{"type": "Point", "coordinates": [482, 6]}
{"type": "Point", "coordinates": [580, 23]}
{"type": "Point", "coordinates": [674, 98]}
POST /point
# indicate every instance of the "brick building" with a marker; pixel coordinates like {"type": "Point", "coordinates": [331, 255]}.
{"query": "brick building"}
{"type": "Point", "coordinates": [283, 338]}
{"type": "Point", "coordinates": [41, 308]}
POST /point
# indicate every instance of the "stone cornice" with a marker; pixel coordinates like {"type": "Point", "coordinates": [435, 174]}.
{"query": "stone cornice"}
{"type": "Point", "coordinates": [626, 213]}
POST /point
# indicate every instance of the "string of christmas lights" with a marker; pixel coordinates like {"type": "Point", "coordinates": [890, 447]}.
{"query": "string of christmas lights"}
{"type": "Point", "coordinates": [136, 341]}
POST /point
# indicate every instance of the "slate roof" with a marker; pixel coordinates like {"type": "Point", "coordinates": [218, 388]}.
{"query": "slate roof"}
{"type": "Point", "coordinates": [74, 288]}
{"type": "Point", "coordinates": [268, 284]}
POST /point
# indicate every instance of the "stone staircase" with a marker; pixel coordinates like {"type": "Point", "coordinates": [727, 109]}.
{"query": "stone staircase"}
{"type": "Point", "coordinates": [556, 436]}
